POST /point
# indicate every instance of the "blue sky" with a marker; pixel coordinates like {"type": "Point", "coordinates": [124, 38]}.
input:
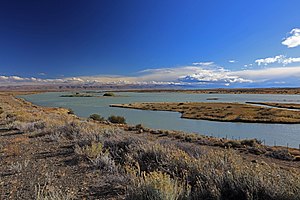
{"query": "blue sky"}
{"type": "Point", "coordinates": [211, 42]}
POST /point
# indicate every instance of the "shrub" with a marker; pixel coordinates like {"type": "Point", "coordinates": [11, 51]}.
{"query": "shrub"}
{"type": "Point", "coordinates": [194, 151]}
{"type": "Point", "coordinates": [117, 119]}
{"type": "Point", "coordinates": [156, 186]}
{"type": "Point", "coordinates": [233, 144]}
{"type": "Point", "coordinates": [256, 150]}
{"type": "Point", "coordinates": [139, 126]}
{"type": "Point", "coordinates": [96, 117]}
{"type": "Point", "coordinates": [81, 131]}
{"type": "Point", "coordinates": [214, 175]}
{"type": "Point", "coordinates": [280, 154]}
{"type": "Point", "coordinates": [90, 151]}
{"type": "Point", "coordinates": [119, 148]}
{"type": "Point", "coordinates": [225, 175]}
{"type": "Point", "coordinates": [109, 94]}
{"type": "Point", "coordinates": [151, 157]}
{"type": "Point", "coordinates": [28, 126]}
{"type": "Point", "coordinates": [10, 115]}
{"type": "Point", "coordinates": [250, 142]}
{"type": "Point", "coordinates": [70, 111]}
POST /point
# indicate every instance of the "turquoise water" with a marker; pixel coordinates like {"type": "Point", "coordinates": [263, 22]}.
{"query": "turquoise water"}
{"type": "Point", "coordinates": [281, 134]}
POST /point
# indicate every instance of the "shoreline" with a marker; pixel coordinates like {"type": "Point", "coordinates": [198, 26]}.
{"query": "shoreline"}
{"type": "Point", "coordinates": [125, 126]}
{"type": "Point", "coordinates": [129, 126]}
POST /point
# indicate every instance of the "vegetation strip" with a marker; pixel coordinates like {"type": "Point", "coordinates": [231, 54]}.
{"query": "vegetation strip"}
{"type": "Point", "coordinates": [278, 105]}
{"type": "Point", "coordinates": [225, 112]}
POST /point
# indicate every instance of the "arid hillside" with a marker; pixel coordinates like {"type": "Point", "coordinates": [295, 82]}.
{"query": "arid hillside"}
{"type": "Point", "coordinates": [49, 153]}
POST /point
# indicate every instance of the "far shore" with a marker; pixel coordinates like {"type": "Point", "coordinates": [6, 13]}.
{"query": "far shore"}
{"type": "Point", "coordinates": [287, 91]}
{"type": "Point", "coordinates": [131, 88]}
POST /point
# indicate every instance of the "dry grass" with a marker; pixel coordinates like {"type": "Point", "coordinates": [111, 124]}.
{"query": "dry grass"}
{"type": "Point", "coordinates": [232, 112]}
{"type": "Point", "coordinates": [47, 192]}
{"type": "Point", "coordinates": [156, 185]}
{"type": "Point", "coordinates": [219, 175]}
{"type": "Point", "coordinates": [139, 165]}
{"type": "Point", "coordinates": [278, 105]}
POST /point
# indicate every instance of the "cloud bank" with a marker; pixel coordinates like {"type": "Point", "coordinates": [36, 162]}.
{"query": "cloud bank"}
{"type": "Point", "coordinates": [200, 75]}
{"type": "Point", "coordinates": [280, 59]}
{"type": "Point", "coordinates": [269, 74]}
{"type": "Point", "coordinates": [213, 76]}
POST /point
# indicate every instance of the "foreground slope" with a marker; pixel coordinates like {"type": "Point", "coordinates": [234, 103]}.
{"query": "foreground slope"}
{"type": "Point", "coordinates": [48, 153]}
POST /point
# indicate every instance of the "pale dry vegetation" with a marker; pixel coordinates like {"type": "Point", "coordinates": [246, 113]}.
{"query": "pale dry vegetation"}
{"type": "Point", "coordinates": [294, 106]}
{"type": "Point", "coordinates": [227, 112]}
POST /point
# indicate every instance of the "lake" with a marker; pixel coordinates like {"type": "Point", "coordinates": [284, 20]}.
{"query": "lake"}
{"type": "Point", "coordinates": [279, 134]}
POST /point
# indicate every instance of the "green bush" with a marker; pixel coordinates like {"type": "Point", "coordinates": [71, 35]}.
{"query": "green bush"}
{"type": "Point", "coordinates": [233, 144]}
{"type": "Point", "coordinates": [117, 119]}
{"type": "Point", "coordinates": [251, 142]}
{"type": "Point", "coordinates": [109, 94]}
{"type": "Point", "coordinates": [96, 117]}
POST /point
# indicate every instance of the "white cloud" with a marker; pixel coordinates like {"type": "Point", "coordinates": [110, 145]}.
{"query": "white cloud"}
{"type": "Point", "coordinates": [16, 78]}
{"type": "Point", "coordinates": [232, 61]}
{"type": "Point", "coordinates": [281, 59]}
{"type": "Point", "coordinates": [219, 75]}
{"type": "Point", "coordinates": [203, 63]}
{"type": "Point", "coordinates": [75, 79]}
{"type": "Point", "coordinates": [191, 74]}
{"type": "Point", "coordinates": [3, 78]}
{"type": "Point", "coordinates": [290, 60]}
{"type": "Point", "coordinates": [214, 76]}
{"type": "Point", "coordinates": [293, 40]}
{"type": "Point", "coordinates": [269, 60]}
{"type": "Point", "coordinates": [167, 74]}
